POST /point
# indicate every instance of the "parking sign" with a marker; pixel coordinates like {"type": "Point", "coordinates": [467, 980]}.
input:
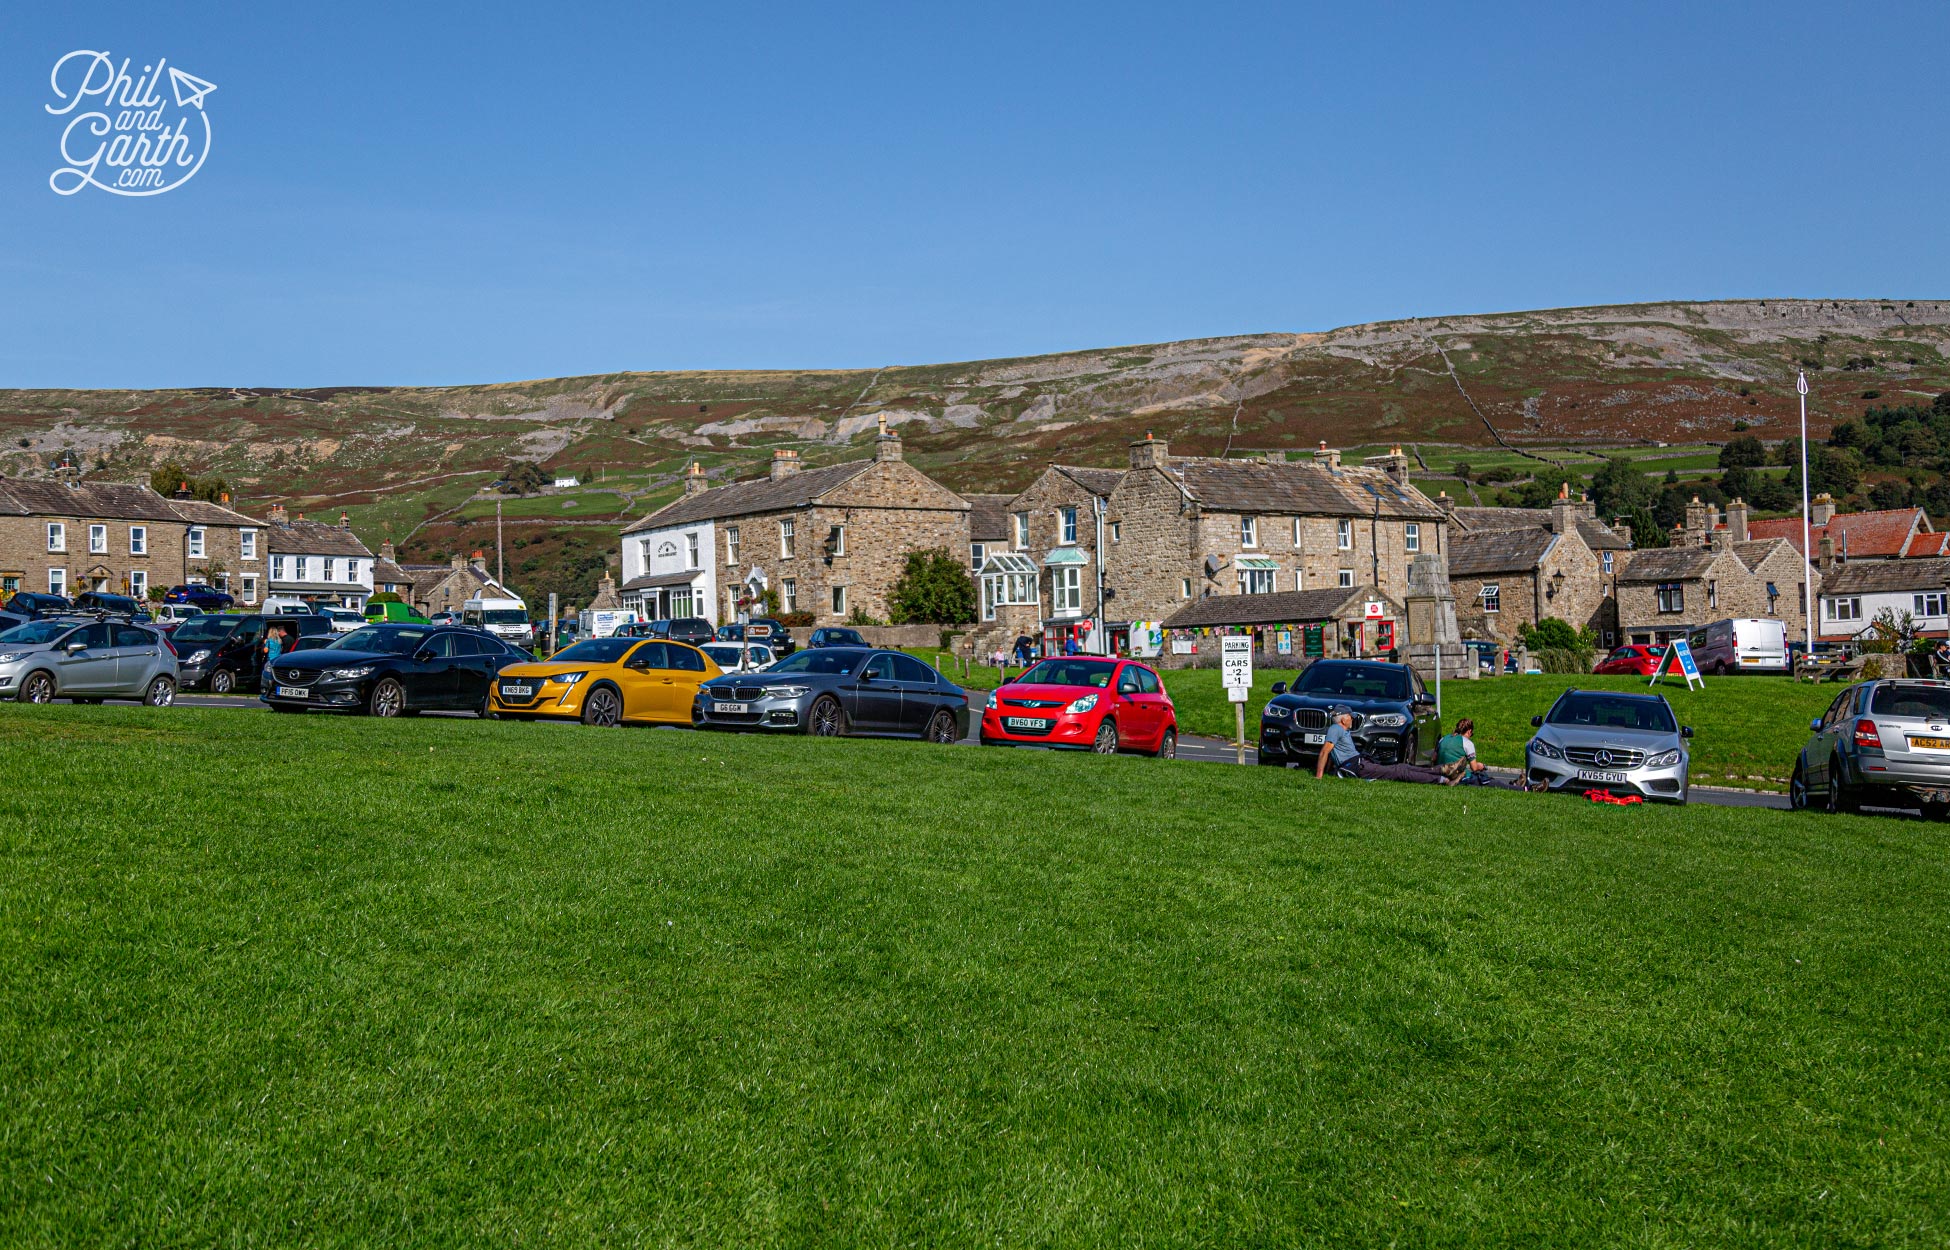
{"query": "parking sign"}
{"type": "Point", "coordinates": [1236, 667]}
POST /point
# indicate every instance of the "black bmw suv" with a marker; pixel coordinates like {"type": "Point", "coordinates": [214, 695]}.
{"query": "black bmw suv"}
{"type": "Point", "coordinates": [1394, 716]}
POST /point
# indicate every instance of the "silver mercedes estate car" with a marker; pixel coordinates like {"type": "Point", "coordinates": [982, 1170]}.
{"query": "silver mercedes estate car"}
{"type": "Point", "coordinates": [1612, 741]}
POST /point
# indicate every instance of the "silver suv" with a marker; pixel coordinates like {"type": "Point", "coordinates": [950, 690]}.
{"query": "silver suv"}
{"type": "Point", "coordinates": [1612, 741]}
{"type": "Point", "coordinates": [87, 661]}
{"type": "Point", "coordinates": [1883, 743]}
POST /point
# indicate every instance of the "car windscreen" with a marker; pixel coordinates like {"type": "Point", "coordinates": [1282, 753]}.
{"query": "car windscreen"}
{"type": "Point", "coordinates": [36, 633]}
{"type": "Point", "coordinates": [503, 616]}
{"type": "Point", "coordinates": [1093, 673]}
{"type": "Point", "coordinates": [1603, 711]}
{"type": "Point", "coordinates": [824, 660]}
{"type": "Point", "coordinates": [1912, 702]}
{"type": "Point", "coordinates": [392, 640]}
{"type": "Point", "coordinates": [205, 629]}
{"type": "Point", "coordinates": [1354, 681]}
{"type": "Point", "coordinates": [595, 651]}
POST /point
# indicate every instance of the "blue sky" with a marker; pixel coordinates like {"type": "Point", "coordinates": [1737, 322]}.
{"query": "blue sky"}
{"type": "Point", "coordinates": [448, 193]}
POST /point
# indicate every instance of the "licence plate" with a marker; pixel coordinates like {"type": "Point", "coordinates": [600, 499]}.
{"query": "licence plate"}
{"type": "Point", "coordinates": [293, 692]}
{"type": "Point", "coordinates": [1025, 722]}
{"type": "Point", "coordinates": [517, 692]}
{"type": "Point", "coordinates": [1313, 740]}
{"type": "Point", "coordinates": [1934, 744]}
{"type": "Point", "coordinates": [1616, 779]}
{"type": "Point", "coordinates": [732, 708]}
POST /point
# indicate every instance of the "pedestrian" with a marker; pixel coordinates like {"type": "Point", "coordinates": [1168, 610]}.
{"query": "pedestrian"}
{"type": "Point", "coordinates": [273, 648]}
{"type": "Point", "coordinates": [1022, 648]}
{"type": "Point", "coordinates": [1070, 646]}
{"type": "Point", "coordinates": [1341, 749]}
{"type": "Point", "coordinates": [1455, 757]}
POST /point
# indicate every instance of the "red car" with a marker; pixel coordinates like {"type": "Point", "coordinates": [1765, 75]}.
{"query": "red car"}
{"type": "Point", "coordinates": [1086, 702]}
{"type": "Point", "coordinates": [1633, 660]}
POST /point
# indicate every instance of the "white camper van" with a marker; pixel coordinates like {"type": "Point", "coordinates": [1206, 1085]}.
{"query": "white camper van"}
{"type": "Point", "coordinates": [1750, 645]}
{"type": "Point", "coordinates": [505, 618]}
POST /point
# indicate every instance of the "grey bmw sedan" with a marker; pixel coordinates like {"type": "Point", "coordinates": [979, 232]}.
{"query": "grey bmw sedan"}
{"type": "Point", "coordinates": [832, 691]}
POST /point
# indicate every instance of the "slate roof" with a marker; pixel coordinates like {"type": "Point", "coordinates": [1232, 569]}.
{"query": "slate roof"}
{"type": "Point", "coordinates": [1870, 535]}
{"type": "Point", "coordinates": [1099, 482]}
{"type": "Point", "coordinates": [1882, 576]}
{"type": "Point", "coordinates": [118, 500]}
{"type": "Point", "coordinates": [794, 490]}
{"type": "Point", "coordinates": [1285, 607]}
{"type": "Point", "coordinates": [1498, 551]}
{"type": "Point", "coordinates": [649, 580]}
{"type": "Point", "coordinates": [1667, 564]}
{"type": "Point", "coordinates": [988, 518]}
{"type": "Point", "coordinates": [1753, 552]}
{"type": "Point", "coordinates": [312, 538]}
{"type": "Point", "coordinates": [1303, 488]}
{"type": "Point", "coordinates": [1596, 534]}
{"type": "Point", "coordinates": [386, 571]}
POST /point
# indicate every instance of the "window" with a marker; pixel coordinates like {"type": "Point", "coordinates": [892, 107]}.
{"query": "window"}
{"type": "Point", "coordinates": [1008, 580]}
{"type": "Point", "coordinates": [1347, 579]}
{"type": "Point", "coordinates": [1296, 531]}
{"type": "Point", "coordinates": [302, 569]}
{"type": "Point", "coordinates": [138, 540]}
{"type": "Point", "coordinates": [57, 581]}
{"type": "Point", "coordinates": [250, 588]}
{"type": "Point", "coordinates": [196, 542]}
{"type": "Point", "coordinates": [1117, 531]}
{"type": "Point", "coordinates": [1672, 597]}
{"type": "Point", "coordinates": [138, 584]}
{"type": "Point", "coordinates": [351, 570]}
{"type": "Point", "coordinates": [1848, 608]}
{"type": "Point", "coordinates": [1344, 534]}
{"type": "Point", "coordinates": [277, 568]}
{"type": "Point", "coordinates": [912, 671]}
{"type": "Point", "coordinates": [680, 601]}
{"type": "Point", "coordinates": [690, 550]}
{"type": "Point", "coordinates": [57, 536]}
{"type": "Point", "coordinates": [787, 540]}
{"type": "Point", "coordinates": [1604, 561]}
{"type": "Point", "coordinates": [1021, 520]}
{"type": "Point", "coordinates": [1066, 591]}
{"type": "Point", "coordinates": [1185, 588]}
{"type": "Point", "coordinates": [1712, 593]}
{"type": "Point", "coordinates": [326, 561]}
{"type": "Point", "coordinates": [1492, 598]}
{"type": "Point", "coordinates": [1068, 516]}
{"type": "Point", "coordinates": [977, 552]}
{"type": "Point", "coordinates": [1931, 604]}
{"type": "Point", "coordinates": [1299, 579]}
{"type": "Point", "coordinates": [1412, 537]}
{"type": "Point", "coordinates": [839, 601]}
{"type": "Point", "coordinates": [731, 545]}
{"type": "Point", "coordinates": [839, 540]}
{"type": "Point", "coordinates": [789, 595]}
{"type": "Point", "coordinates": [1255, 581]}
{"type": "Point", "coordinates": [247, 544]}
{"type": "Point", "coordinates": [1249, 531]}
{"type": "Point", "coordinates": [98, 540]}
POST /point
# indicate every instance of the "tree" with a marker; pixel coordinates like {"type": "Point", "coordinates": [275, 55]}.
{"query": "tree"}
{"type": "Point", "coordinates": [1745, 452]}
{"type": "Point", "coordinates": [934, 589]}
{"type": "Point", "coordinates": [1619, 487]}
{"type": "Point", "coordinates": [1550, 633]}
{"type": "Point", "coordinates": [166, 477]}
{"type": "Point", "coordinates": [1462, 472]}
{"type": "Point", "coordinates": [524, 477]}
{"type": "Point", "coordinates": [1646, 530]}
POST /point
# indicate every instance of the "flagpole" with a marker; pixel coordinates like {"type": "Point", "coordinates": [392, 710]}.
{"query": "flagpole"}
{"type": "Point", "coordinates": [1807, 545]}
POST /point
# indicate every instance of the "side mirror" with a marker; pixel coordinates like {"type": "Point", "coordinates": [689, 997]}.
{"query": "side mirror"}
{"type": "Point", "coordinates": [1685, 731]}
{"type": "Point", "coordinates": [1536, 722]}
{"type": "Point", "coordinates": [1815, 724]}
{"type": "Point", "coordinates": [1279, 687]}
{"type": "Point", "coordinates": [423, 655]}
{"type": "Point", "coordinates": [76, 646]}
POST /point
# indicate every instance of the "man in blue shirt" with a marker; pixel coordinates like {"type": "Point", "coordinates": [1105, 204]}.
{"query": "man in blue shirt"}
{"type": "Point", "coordinates": [1341, 750]}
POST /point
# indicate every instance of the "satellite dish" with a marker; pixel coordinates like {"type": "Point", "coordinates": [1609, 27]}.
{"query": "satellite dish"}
{"type": "Point", "coordinates": [1212, 566]}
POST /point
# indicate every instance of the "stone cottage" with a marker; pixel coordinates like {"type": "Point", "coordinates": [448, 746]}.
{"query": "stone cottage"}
{"type": "Point", "coordinates": [1512, 567]}
{"type": "Point", "coordinates": [66, 536]}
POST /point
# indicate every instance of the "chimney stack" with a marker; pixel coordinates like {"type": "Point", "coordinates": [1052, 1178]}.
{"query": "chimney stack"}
{"type": "Point", "coordinates": [1564, 511]}
{"type": "Point", "coordinates": [388, 553]}
{"type": "Point", "coordinates": [1825, 557]}
{"type": "Point", "coordinates": [1444, 502]}
{"type": "Point", "coordinates": [1149, 452]}
{"type": "Point", "coordinates": [1822, 510]}
{"type": "Point", "coordinates": [1737, 520]}
{"type": "Point", "coordinates": [887, 444]}
{"type": "Point", "coordinates": [458, 561]}
{"type": "Point", "coordinates": [785, 462]}
{"type": "Point", "coordinates": [1699, 522]}
{"type": "Point", "coordinates": [182, 490]}
{"type": "Point", "coordinates": [479, 561]}
{"type": "Point", "coordinates": [277, 515]}
{"type": "Point", "coordinates": [1623, 528]}
{"type": "Point", "coordinates": [1325, 455]}
{"type": "Point", "coordinates": [345, 520]}
{"type": "Point", "coordinates": [694, 480]}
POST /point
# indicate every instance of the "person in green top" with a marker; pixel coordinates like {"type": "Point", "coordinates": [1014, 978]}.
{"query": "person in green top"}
{"type": "Point", "coordinates": [1455, 759]}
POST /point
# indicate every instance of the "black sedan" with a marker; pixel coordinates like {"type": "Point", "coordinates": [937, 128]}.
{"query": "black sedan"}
{"type": "Point", "coordinates": [830, 691]}
{"type": "Point", "coordinates": [393, 670]}
{"type": "Point", "coordinates": [1394, 716]}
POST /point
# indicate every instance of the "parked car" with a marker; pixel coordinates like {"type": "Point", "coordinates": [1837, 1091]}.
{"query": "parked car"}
{"type": "Point", "coordinates": [197, 595]}
{"type": "Point", "coordinates": [170, 615]}
{"type": "Point", "coordinates": [1882, 743]}
{"type": "Point", "coordinates": [694, 630]}
{"type": "Point", "coordinates": [831, 691]}
{"type": "Point", "coordinates": [607, 682]}
{"type": "Point", "coordinates": [87, 661]}
{"type": "Point", "coordinates": [1613, 741]}
{"type": "Point", "coordinates": [444, 618]}
{"type": "Point", "coordinates": [286, 605]}
{"type": "Point", "coordinates": [835, 636]}
{"type": "Point", "coordinates": [1756, 645]}
{"type": "Point", "coordinates": [1086, 703]}
{"type": "Point", "coordinates": [344, 620]}
{"type": "Point", "coordinates": [223, 653]}
{"type": "Point", "coordinates": [735, 657]}
{"type": "Point", "coordinates": [763, 629]}
{"type": "Point", "coordinates": [112, 605]}
{"type": "Point", "coordinates": [389, 613]}
{"type": "Point", "coordinates": [394, 670]}
{"type": "Point", "coordinates": [1634, 659]}
{"type": "Point", "coordinates": [1394, 714]}
{"type": "Point", "coordinates": [33, 605]}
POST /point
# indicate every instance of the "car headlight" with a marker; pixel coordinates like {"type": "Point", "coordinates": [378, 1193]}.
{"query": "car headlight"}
{"type": "Point", "coordinates": [786, 692]}
{"type": "Point", "coordinates": [1277, 712]}
{"type": "Point", "coordinates": [567, 679]}
{"type": "Point", "coordinates": [990, 705]}
{"type": "Point", "coordinates": [1545, 749]}
{"type": "Point", "coordinates": [1665, 759]}
{"type": "Point", "coordinates": [197, 657]}
{"type": "Point", "coordinates": [346, 674]}
{"type": "Point", "coordinates": [1386, 720]}
{"type": "Point", "coordinates": [1082, 705]}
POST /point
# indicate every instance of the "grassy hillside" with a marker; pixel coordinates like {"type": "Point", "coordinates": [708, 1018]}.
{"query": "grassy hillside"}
{"type": "Point", "coordinates": [530, 984]}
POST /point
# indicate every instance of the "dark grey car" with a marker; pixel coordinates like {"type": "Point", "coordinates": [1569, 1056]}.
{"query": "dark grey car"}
{"type": "Point", "coordinates": [1881, 743]}
{"type": "Point", "coordinates": [830, 691]}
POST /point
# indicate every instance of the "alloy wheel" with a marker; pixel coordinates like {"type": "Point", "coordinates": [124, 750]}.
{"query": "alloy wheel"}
{"type": "Point", "coordinates": [1168, 745]}
{"type": "Point", "coordinates": [162, 693]}
{"type": "Point", "coordinates": [223, 681]}
{"type": "Point", "coordinates": [942, 729]}
{"type": "Point", "coordinates": [603, 709]}
{"type": "Point", "coordinates": [1798, 789]}
{"type": "Point", "coordinates": [38, 688]}
{"type": "Point", "coordinates": [388, 698]}
{"type": "Point", "coordinates": [1106, 743]}
{"type": "Point", "coordinates": [828, 719]}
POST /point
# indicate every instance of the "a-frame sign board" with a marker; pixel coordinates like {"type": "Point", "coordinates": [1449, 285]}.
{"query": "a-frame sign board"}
{"type": "Point", "coordinates": [1678, 650]}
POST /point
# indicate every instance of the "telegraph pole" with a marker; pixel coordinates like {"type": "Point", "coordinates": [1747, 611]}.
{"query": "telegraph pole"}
{"type": "Point", "coordinates": [500, 563]}
{"type": "Point", "coordinates": [1807, 531]}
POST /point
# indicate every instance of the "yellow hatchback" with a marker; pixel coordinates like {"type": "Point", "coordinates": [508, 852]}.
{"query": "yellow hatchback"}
{"type": "Point", "coordinates": [607, 682]}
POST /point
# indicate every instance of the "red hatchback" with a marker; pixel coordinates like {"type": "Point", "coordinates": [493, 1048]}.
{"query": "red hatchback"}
{"type": "Point", "coordinates": [1085, 702]}
{"type": "Point", "coordinates": [1633, 660]}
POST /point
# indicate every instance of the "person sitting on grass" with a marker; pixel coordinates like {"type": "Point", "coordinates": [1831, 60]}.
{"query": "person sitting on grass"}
{"type": "Point", "coordinates": [1340, 748]}
{"type": "Point", "coordinates": [1455, 757]}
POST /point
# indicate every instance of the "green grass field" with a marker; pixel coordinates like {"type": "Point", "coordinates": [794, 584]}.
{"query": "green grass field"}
{"type": "Point", "coordinates": [443, 982]}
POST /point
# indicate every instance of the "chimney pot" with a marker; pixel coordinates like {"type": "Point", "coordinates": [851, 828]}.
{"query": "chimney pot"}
{"type": "Point", "coordinates": [887, 445]}
{"type": "Point", "coordinates": [785, 462]}
{"type": "Point", "coordinates": [694, 479]}
{"type": "Point", "coordinates": [345, 520]}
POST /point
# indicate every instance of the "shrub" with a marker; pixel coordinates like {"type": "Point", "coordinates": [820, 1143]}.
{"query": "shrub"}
{"type": "Point", "coordinates": [934, 589]}
{"type": "Point", "coordinates": [795, 620]}
{"type": "Point", "coordinates": [1562, 660]}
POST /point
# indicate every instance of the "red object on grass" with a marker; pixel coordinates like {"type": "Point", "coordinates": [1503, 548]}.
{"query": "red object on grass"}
{"type": "Point", "coordinates": [1606, 796]}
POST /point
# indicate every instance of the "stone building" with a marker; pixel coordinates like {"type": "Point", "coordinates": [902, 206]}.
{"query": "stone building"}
{"type": "Point", "coordinates": [1045, 576]}
{"type": "Point", "coordinates": [1288, 627]}
{"type": "Point", "coordinates": [1855, 594]}
{"type": "Point", "coordinates": [1713, 570]}
{"type": "Point", "coordinates": [988, 527]}
{"type": "Point", "coordinates": [68, 536]}
{"type": "Point", "coordinates": [447, 587]}
{"type": "Point", "coordinates": [389, 576]}
{"type": "Point", "coordinates": [317, 562]}
{"type": "Point", "coordinates": [1887, 534]}
{"type": "Point", "coordinates": [1512, 567]}
{"type": "Point", "coordinates": [830, 542]}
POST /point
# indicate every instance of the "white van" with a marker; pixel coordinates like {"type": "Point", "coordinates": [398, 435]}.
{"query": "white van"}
{"type": "Point", "coordinates": [285, 605]}
{"type": "Point", "coordinates": [506, 619]}
{"type": "Point", "coordinates": [1740, 645]}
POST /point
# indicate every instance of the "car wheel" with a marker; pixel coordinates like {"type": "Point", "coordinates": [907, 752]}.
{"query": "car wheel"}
{"type": "Point", "coordinates": [603, 708]}
{"type": "Point", "coordinates": [1798, 789]}
{"type": "Point", "coordinates": [1168, 745]}
{"type": "Point", "coordinates": [38, 688]}
{"type": "Point", "coordinates": [388, 698]}
{"type": "Point", "coordinates": [1838, 798]}
{"type": "Point", "coordinates": [223, 681]}
{"type": "Point", "coordinates": [1106, 743]}
{"type": "Point", "coordinates": [827, 719]}
{"type": "Point", "coordinates": [161, 693]}
{"type": "Point", "coordinates": [1410, 746]}
{"type": "Point", "coordinates": [942, 729]}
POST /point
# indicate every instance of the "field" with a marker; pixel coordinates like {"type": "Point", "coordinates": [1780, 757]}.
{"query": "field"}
{"type": "Point", "coordinates": [325, 981]}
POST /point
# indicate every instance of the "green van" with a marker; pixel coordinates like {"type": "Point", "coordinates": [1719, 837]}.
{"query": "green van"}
{"type": "Point", "coordinates": [393, 614]}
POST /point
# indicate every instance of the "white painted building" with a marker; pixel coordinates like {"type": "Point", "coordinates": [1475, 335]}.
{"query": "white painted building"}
{"type": "Point", "coordinates": [670, 571]}
{"type": "Point", "coordinates": [321, 564]}
{"type": "Point", "coordinates": [1852, 595]}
